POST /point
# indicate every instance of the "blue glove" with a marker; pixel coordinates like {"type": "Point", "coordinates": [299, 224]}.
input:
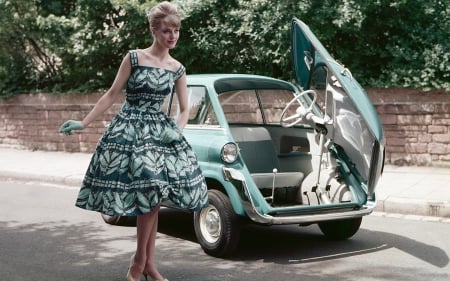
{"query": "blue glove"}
{"type": "Point", "coordinates": [67, 127]}
{"type": "Point", "coordinates": [169, 135]}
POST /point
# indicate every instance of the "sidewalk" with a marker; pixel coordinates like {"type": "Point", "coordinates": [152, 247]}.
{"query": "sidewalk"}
{"type": "Point", "coordinates": [422, 191]}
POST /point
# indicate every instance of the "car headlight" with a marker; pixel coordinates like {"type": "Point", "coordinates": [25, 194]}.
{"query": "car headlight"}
{"type": "Point", "coordinates": [229, 152]}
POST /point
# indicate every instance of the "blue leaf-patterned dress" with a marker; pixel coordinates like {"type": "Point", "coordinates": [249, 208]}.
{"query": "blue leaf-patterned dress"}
{"type": "Point", "coordinates": [131, 170]}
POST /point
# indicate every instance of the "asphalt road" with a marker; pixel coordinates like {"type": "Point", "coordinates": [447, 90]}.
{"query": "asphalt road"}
{"type": "Point", "coordinates": [44, 237]}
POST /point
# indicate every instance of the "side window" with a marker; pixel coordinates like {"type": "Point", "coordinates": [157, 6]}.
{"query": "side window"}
{"type": "Point", "coordinates": [241, 107]}
{"type": "Point", "coordinates": [211, 118]}
{"type": "Point", "coordinates": [198, 103]}
{"type": "Point", "coordinates": [273, 103]}
{"type": "Point", "coordinates": [319, 84]}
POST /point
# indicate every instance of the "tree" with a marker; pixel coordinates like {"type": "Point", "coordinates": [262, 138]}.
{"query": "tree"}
{"type": "Point", "coordinates": [399, 43]}
{"type": "Point", "coordinates": [104, 31]}
{"type": "Point", "coordinates": [385, 43]}
{"type": "Point", "coordinates": [237, 36]}
{"type": "Point", "coordinates": [77, 45]}
{"type": "Point", "coordinates": [63, 45]}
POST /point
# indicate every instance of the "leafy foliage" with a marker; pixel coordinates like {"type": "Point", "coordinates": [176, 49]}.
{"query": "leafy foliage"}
{"type": "Point", "coordinates": [66, 45]}
{"type": "Point", "coordinates": [385, 43]}
{"type": "Point", "coordinates": [77, 45]}
{"type": "Point", "coordinates": [238, 36]}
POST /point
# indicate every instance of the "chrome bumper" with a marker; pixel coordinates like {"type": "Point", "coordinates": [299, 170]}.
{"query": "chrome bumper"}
{"type": "Point", "coordinates": [256, 216]}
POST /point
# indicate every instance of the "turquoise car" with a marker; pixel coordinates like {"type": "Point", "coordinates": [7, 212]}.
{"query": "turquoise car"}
{"type": "Point", "coordinates": [274, 153]}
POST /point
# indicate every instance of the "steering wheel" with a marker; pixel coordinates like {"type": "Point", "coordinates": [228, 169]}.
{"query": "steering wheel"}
{"type": "Point", "coordinates": [301, 111]}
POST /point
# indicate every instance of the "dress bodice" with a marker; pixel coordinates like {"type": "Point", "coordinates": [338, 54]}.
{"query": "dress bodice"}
{"type": "Point", "coordinates": [147, 86]}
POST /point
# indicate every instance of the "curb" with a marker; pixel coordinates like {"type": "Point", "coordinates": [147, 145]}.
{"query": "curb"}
{"type": "Point", "coordinates": [414, 191]}
{"type": "Point", "coordinates": [398, 205]}
{"type": "Point", "coordinates": [393, 206]}
{"type": "Point", "coordinates": [70, 181]}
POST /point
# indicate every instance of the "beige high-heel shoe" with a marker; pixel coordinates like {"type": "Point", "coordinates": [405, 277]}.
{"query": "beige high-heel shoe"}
{"type": "Point", "coordinates": [165, 279]}
{"type": "Point", "coordinates": [129, 268]}
{"type": "Point", "coordinates": [129, 276]}
{"type": "Point", "coordinates": [146, 275]}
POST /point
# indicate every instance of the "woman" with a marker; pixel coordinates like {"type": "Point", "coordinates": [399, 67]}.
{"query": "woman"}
{"type": "Point", "coordinates": [143, 159]}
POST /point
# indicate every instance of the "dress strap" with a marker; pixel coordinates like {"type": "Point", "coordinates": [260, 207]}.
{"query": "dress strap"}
{"type": "Point", "coordinates": [133, 59]}
{"type": "Point", "coordinates": [181, 70]}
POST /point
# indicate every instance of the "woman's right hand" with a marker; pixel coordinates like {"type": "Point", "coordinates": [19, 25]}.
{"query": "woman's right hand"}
{"type": "Point", "coordinates": [170, 135]}
{"type": "Point", "coordinates": [70, 125]}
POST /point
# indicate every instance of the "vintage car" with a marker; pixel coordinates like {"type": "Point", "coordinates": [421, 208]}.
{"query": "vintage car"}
{"type": "Point", "coordinates": [273, 154]}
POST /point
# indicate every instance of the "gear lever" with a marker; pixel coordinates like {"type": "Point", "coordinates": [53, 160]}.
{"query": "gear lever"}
{"type": "Point", "coordinates": [275, 171]}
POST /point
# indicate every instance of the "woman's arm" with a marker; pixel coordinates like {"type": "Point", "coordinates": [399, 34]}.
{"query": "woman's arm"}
{"type": "Point", "coordinates": [111, 95]}
{"type": "Point", "coordinates": [182, 95]}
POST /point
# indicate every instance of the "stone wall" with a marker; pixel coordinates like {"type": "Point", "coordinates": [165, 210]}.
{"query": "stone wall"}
{"type": "Point", "coordinates": [416, 124]}
{"type": "Point", "coordinates": [32, 122]}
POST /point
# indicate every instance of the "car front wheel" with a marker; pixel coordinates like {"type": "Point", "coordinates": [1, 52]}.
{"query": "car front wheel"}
{"type": "Point", "coordinates": [340, 229]}
{"type": "Point", "coordinates": [217, 227]}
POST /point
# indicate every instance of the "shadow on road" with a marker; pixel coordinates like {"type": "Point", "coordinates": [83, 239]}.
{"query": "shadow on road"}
{"type": "Point", "coordinates": [292, 244]}
{"type": "Point", "coordinates": [69, 251]}
{"type": "Point", "coordinates": [59, 250]}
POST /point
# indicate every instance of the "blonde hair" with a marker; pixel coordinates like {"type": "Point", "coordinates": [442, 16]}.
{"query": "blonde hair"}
{"type": "Point", "coordinates": [164, 12]}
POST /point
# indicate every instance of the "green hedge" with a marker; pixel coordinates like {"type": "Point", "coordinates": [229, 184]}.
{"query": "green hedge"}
{"type": "Point", "coordinates": [77, 45]}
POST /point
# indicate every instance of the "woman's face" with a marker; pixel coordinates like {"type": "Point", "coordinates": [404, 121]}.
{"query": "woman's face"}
{"type": "Point", "coordinates": [166, 35]}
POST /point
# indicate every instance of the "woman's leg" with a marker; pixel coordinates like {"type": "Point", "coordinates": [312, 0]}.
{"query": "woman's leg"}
{"type": "Point", "coordinates": [150, 264]}
{"type": "Point", "coordinates": [145, 226]}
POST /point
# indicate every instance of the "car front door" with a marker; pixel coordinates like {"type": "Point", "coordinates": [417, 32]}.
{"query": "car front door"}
{"type": "Point", "coordinates": [356, 134]}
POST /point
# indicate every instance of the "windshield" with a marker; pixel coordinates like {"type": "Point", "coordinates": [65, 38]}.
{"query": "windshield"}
{"type": "Point", "coordinates": [262, 106]}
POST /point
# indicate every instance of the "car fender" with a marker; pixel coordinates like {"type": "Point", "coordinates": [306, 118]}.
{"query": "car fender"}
{"type": "Point", "coordinates": [213, 172]}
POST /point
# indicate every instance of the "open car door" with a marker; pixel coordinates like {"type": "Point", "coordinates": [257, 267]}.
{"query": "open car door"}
{"type": "Point", "coordinates": [356, 132]}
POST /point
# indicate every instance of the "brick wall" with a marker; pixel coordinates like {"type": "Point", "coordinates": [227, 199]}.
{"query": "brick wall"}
{"type": "Point", "coordinates": [416, 124]}
{"type": "Point", "coordinates": [32, 122]}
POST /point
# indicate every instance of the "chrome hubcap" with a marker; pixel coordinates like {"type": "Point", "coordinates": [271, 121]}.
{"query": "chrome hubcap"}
{"type": "Point", "coordinates": [210, 224]}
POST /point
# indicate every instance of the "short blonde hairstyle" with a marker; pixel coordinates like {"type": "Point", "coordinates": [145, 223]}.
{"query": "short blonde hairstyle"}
{"type": "Point", "coordinates": [164, 12]}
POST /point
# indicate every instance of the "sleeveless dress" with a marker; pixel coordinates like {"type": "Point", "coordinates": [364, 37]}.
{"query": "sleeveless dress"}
{"type": "Point", "coordinates": [132, 170]}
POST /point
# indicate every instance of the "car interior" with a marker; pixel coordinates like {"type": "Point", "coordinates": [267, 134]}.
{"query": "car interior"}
{"type": "Point", "coordinates": [283, 161]}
